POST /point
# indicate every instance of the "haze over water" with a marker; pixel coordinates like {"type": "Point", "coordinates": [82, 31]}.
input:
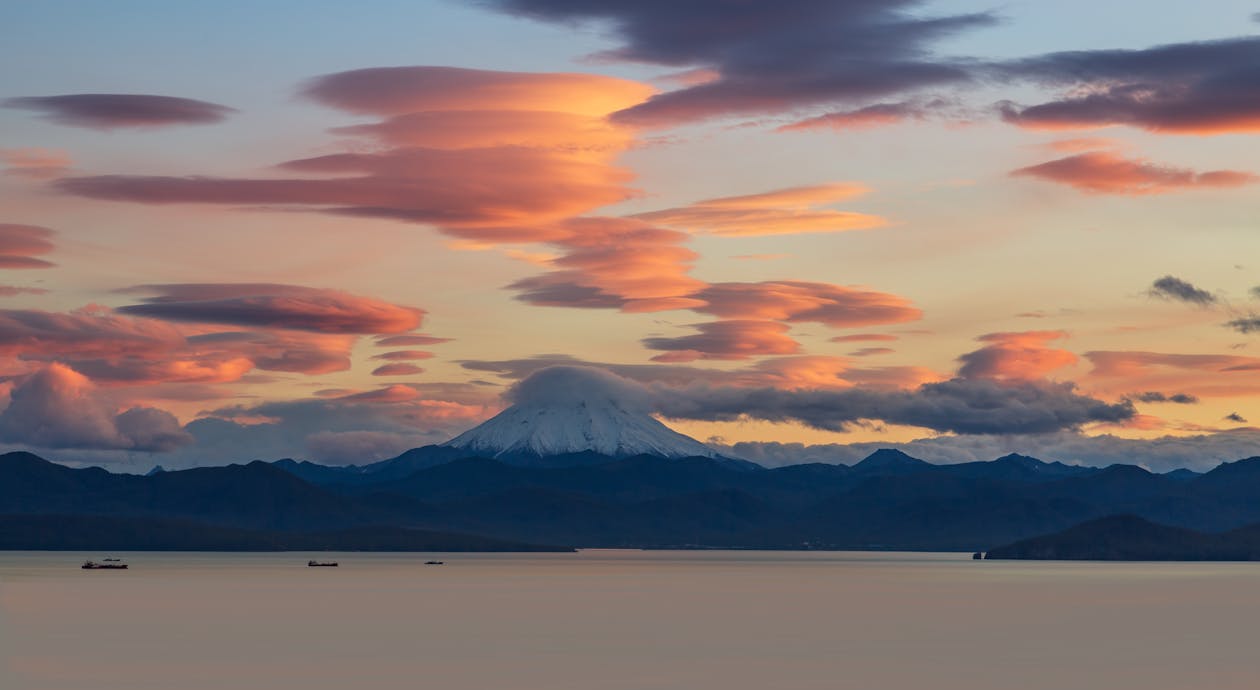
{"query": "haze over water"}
{"type": "Point", "coordinates": [624, 619]}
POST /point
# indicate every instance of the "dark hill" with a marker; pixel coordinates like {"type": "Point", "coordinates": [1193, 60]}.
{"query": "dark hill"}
{"type": "Point", "coordinates": [1131, 538]}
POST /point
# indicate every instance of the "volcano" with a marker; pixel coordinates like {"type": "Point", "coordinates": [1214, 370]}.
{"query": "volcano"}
{"type": "Point", "coordinates": [568, 410]}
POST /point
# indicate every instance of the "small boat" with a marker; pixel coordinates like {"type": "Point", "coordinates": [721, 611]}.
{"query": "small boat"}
{"type": "Point", "coordinates": [321, 564]}
{"type": "Point", "coordinates": [435, 563]}
{"type": "Point", "coordinates": [112, 560]}
{"type": "Point", "coordinates": [113, 565]}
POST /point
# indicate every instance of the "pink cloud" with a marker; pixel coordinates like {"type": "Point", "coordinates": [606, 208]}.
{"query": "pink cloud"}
{"type": "Point", "coordinates": [20, 244]}
{"type": "Point", "coordinates": [1100, 172]}
{"type": "Point", "coordinates": [35, 163]}
{"type": "Point", "coordinates": [399, 369]}
{"type": "Point", "coordinates": [410, 339]}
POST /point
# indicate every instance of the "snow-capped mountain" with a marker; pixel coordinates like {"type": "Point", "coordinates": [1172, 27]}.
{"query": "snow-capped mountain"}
{"type": "Point", "coordinates": [564, 410]}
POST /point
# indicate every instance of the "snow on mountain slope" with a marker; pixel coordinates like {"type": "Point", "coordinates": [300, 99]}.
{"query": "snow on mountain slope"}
{"type": "Point", "coordinates": [566, 409]}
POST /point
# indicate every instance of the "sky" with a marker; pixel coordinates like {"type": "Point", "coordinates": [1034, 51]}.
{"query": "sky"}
{"type": "Point", "coordinates": [806, 229]}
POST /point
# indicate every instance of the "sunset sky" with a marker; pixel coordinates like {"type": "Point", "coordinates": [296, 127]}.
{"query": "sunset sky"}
{"type": "Point", "coordinates": [807, 228]}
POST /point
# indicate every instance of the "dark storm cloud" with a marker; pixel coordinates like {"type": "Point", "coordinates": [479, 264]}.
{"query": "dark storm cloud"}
{"type": "Point", "coordinates": [1195, 88]}
{"type": "Point", "coordinates": [1235, 417]}
{"type": "Point", "coordinates": [1173, 288]}
{"type": "Point", "coordinates": [769, 56]}
{"type": "Point", "coordinates": [112, 110]}
{"type": "Point", "coordinates": [962, 406]}
{"type": "Point", "coordinates": [784, 56]}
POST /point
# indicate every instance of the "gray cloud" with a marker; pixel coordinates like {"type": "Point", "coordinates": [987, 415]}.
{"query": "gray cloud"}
{"type": "Point", "coordinates": [1245, 324]}
{"type": "Point", "coordinates": [1173, 288]}
{"type": "Point", "coordinates": [1157, 397]}
{"type": "Point", "coordinates": [963, 406]}
{"type": "Point", "coordinates": [112, 110]}
{"type": "Point", "coordinates": [1200, 452]}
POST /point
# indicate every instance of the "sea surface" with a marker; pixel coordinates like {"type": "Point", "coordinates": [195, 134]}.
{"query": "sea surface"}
{"type": "Point", "coordinates": [610, 620]}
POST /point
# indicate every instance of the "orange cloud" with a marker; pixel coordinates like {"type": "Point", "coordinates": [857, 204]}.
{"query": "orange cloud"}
{"type": "Point", "coordinates": [804, 371]}
{"type": "Point", "coordinates": [800, 301]}
{"type": "Point", "coordinates": [1021, 356]}
{"type": "Point", "coordinates": [481, 155]}
{"type": "Point", "coordinates": [735, 339]}
{"type": "Point", "coordinates": [786, 211]}
{"type": "Point", "coordinates": [573, 133]}
{"type": "Point", "coordinates": [616, 263]}
{"type": "Point", "coordinates": [1099, 172]}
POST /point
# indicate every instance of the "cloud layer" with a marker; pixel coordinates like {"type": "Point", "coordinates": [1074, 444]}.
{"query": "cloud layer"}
{"type": "Point", "coordinates": [115, 110]}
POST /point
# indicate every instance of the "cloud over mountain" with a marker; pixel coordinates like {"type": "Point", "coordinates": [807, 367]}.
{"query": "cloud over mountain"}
{"type": "Point", "coordinates": [57, 407]}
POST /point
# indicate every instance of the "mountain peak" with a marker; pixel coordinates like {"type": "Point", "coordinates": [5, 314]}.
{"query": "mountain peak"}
{"type": "Point", "coordinates": [563, 410]}
{"type": "Point", "coordinates": [1022, 460]}
{"type": "Point", "coordinates": [889, 458]}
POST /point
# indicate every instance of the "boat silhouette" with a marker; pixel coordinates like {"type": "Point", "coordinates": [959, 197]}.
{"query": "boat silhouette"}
{"type": "Point", "coordinates": [112, 565]}
{"type": "Point", "coordinates": [321, 564]}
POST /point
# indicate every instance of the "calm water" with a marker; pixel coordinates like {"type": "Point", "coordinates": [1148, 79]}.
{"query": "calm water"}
{"type": "Point", "coordinates": [625, 619]}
